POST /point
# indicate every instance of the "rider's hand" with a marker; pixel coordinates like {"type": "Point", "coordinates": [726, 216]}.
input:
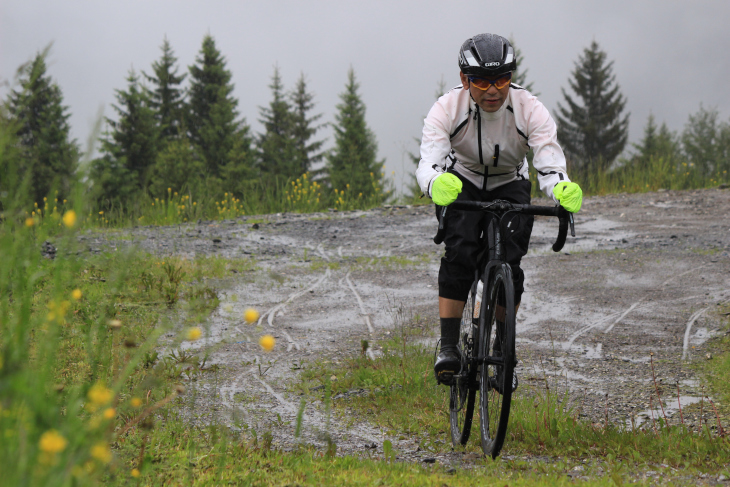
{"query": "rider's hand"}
{"type": "Point", "coordinates": [445, 189]}
{"type": "Point", "coordinates": [569, 195]}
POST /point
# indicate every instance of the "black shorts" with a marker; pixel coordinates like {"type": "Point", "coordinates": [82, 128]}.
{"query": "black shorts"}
{"type": "Point", "coordinates": [464, 230]}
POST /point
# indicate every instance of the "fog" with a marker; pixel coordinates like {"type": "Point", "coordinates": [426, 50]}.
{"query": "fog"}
{"type": "Point", "coordinates": [669, 56]}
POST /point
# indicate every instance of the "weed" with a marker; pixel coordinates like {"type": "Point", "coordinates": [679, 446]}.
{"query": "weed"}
{"type": "Point", "coordinates": [150, 358]}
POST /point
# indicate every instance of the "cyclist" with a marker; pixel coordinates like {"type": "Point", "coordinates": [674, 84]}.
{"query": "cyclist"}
{"type": "Point", "coordinates": [475, 139]}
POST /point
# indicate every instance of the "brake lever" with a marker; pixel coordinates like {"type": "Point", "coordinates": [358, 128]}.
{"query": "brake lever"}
{"type": "Point", "coordinates": [572, 225]}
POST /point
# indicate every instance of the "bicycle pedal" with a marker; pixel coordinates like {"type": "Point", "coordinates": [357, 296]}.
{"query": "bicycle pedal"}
{"type": "Point", "coordinates": [445, 377]}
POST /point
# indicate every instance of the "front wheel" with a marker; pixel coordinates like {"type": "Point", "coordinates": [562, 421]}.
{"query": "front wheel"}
{"type": "Point", "coordinates": [497, 350]}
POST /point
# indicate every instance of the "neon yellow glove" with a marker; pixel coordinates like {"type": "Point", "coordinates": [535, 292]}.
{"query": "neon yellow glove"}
{"type": "Point", "coordinates": [445, 189]}
{"type": "Point", "coordinates": [569, 195]}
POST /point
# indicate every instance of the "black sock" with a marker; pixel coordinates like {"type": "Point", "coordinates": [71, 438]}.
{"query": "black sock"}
{"type": "Point", "coordinates": [450, 333]}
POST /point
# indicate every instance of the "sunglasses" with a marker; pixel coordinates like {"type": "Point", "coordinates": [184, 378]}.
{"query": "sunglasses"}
{"type": "Point", "coordinates": [484, 84]}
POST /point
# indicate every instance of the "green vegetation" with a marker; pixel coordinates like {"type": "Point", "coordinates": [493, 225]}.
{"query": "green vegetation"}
{"type": "Point", "coordinates": [352, 165]}
{"type": "Point", "coordinates": [717, 368]}
{"type": "Point", "coordinates": [42, 153]}
{"type": "Point", "coordinates": [399, 393]}
{"type": "Point", "coordinates": [78, 371]}
{"type": "Point", "coordinates": [593, 131]}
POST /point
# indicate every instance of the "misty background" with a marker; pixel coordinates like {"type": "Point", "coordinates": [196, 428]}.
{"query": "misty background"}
{"type": "Point", "coordinates": [669, 56]}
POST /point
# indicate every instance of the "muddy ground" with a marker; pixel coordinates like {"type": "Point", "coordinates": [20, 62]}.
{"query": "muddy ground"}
{"type": "Point", "coordinates": [646, 274]}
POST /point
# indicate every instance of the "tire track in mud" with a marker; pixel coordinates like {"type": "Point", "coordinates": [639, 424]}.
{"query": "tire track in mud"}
{"type": "Point", "coordinates": [363, 312]}
{"type": "Point", "coordinates": [270, 318]}
{"type": "Point", "coordinates": [271, 312]}
{"type": "Point", "coordinates": [606, 333]}
{"type": "Point", "coordinates": [637, 305]}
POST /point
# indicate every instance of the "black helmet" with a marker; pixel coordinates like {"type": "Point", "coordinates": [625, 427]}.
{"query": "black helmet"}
{"type": "Point", "coordinates": [487, 55]}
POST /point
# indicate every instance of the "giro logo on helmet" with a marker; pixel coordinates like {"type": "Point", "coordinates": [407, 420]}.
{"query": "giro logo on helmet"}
{"type": "Point", "coordinates": [487, 65]}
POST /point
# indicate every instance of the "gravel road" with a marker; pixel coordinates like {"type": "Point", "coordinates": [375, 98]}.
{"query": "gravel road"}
{"type": "Point", "coordinates": [645, 275]}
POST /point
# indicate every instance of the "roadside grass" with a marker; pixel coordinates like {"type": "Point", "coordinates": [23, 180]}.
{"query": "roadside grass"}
{"type": "Point", "coordinates": [388, 262]}
{"type": "Point", "coordinates": [176, 453]}
{"type": "Point", "coordinates": [77, 336]}
{"type": "Point", "coordinates": [301, 195]}
{"type": "Point", "coordinates": [397, 391]}
{"type": "Point", "coordinates": [716, 370]}
{"type": "Point", "coordinates": [657, 173]}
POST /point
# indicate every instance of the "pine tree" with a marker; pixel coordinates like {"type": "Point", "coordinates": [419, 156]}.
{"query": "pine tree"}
{"type": "Point", "coordinates": [655, 143]}
{"type": "Point", "coordinates": [519, 77]}
{"type": "Point", "coordinates": [706, 142]}
{"type": "Point", "coordinates": [307, 152]}
{"type": "Point", "coordinates": [593, 130]}
{"type": "Point", "coordinates": [166, 95]}
{"type": "Point", "coordinates": [47, 155]}
{"type": "Point", "coordinates": [212, 115]}
{"type": "Point", "coordinates": [14, 193]}
{"type": "Point", "coordinates": [130, 147]}
{"type": "Point", "coordinates": [277, 147]}
{"type": "Point", "coordinates": [178, 167]}
{"type": "Point", "coordinates": [353, 160]}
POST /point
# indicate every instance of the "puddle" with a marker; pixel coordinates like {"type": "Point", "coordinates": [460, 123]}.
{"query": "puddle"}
{"type": "Point", "coordinates": [590, 234]}
{"type": "Point", "coordinates": [671, 407]}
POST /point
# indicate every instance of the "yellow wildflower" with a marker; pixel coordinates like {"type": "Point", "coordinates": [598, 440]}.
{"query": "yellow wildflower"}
{"type": "Point", "coordinates": [29, 222]}
{"type": "Point", "coordinates": [101, 452]}
{"type": "Point", "coordinates": [267, 342]}
{"type": "Point", "coordinates": [251, 315]}
{"type": "Point", "coordinates": [136, 402]}
{"type": "Point", "coordinates": [69, 218]}
{"type": "Point", "coordinates": [135, 473]}
{"type": "Point", "coordinates": [99, 395]}
{"type": "Point", "coordinates": [76, 294]}
{"type": "Point", "coordinates": [109, 413]}
{"type": "Point", "coordinates": [194, 333]}
{"type": "Point", "coordinates": [52, 442]}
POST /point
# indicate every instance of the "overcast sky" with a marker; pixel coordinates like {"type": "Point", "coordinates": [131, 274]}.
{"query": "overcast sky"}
{"type": "Point", "coordinates": [669, 55]}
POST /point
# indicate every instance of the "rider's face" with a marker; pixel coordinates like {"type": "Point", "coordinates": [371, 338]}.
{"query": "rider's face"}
{"type": "Point", "coordinates": [490, 100]}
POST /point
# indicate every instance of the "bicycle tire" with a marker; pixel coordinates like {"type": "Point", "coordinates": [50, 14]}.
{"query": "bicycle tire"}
{"type": "Point", "coordinates": [462, 393]}
{"type": "Point", "coordinates": [494, 407]}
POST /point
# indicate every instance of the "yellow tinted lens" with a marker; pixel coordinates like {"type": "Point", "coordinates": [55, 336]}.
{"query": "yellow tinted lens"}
{"type": "Point", "coordinates": [502, 82]}
{"type": "Point", "coordinates": [481, 83]}
{"type": "Point", "coordinates": [484, 84]}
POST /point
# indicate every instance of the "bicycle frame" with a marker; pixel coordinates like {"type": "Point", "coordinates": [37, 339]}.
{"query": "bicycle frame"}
{"type": "Point", "coordinates": [497, 292]}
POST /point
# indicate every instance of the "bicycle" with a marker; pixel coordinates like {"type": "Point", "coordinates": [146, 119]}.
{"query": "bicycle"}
{"type": "Point", "coordinates": [487, 334]}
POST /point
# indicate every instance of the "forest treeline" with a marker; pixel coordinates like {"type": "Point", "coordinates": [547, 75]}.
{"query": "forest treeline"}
{"type": "Point", "coordinates": [177, 148]}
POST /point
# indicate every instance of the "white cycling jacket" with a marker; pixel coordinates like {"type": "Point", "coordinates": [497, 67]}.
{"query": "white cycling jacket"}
{"type": "Point", "coordinates": [459, 136]}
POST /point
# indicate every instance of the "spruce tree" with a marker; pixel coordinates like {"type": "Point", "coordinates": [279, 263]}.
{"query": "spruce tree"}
{"type": "Point", "coordinates": [130, 147]}
{"type": "Point", "coordinates": [655, 143]}
{"type": "Point", "coordinates": [353, 160]}
{"type": "Point", "coordinates": [166, 94]}
{"type": "Point", "coordinates": [592, 130]}
{"type": "Point", "coordinates": [178, 167]}
{"type": "Point", "coordinates": [277, 147]}
{"type": "Point", "coordinates": [211, 119]}
{"type": "Point", "coordinates": [47, 156]}
{"type": "Point", "coordinates": [706, 143]}
{"type": "Point", "coordinates": [307, 152]}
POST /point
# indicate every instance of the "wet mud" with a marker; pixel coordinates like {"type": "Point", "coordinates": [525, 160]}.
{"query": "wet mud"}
{"type": "Point", "coordinates": [640, 286]}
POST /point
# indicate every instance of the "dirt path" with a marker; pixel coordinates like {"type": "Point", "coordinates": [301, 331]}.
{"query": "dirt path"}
{"type": "Point", "coordinates": [644, 275]}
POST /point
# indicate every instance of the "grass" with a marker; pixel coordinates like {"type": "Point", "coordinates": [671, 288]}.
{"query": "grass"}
{"type": "Point", "coordinates": [717, 370]}
{"type": "Point", "coordinates": [77, 337]}
{"type": "Point", "coordinates": [401, 396]}
{"type": "Point", "coordinates": [183, 455]}
{"type": "Point", "coordinates": [389, 262]}
{"type": "Point", "coordinates": [668, 173]}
